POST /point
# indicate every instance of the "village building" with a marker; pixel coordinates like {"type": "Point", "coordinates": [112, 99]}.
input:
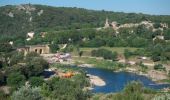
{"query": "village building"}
{"type": "Point", "coordinates": [164, 25]}
{"type": "Point", "coordinates": [113, 25]}
{"type": "Point", "coordinates": [30, 35]}
{"type": "Point", "coordinates": [40, 49]}
{"type": "Point", "coordinates": [11, 42]}
{"type": "Point", "coordinates": [160, 37]}
{"type": "Point", "coordinates": [107, 25]}
{"type": "Point", "coordinates": [43, 34]}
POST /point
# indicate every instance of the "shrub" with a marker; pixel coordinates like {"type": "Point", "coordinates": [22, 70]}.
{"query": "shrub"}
{"type": "Point", "coordinates": [27, 93]}
{"type": "Point", "coordinates": [16, 80]}
{"type": "Point", "coordinates": [164, 96]}
{"type": "Point", "coordinates": [159, 67]}
{"type": "Point", "coordinates": [36, 81]}
{"type": "Point", "coordinates": [133, 87]}
{"type": "Point", "coordinates": [106, 54]}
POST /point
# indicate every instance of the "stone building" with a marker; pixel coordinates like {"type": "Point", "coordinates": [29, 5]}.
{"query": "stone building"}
{"type": "Point", "coordinates": [107, 25]}
{"type": "Point", "coordinates": [40, 49]}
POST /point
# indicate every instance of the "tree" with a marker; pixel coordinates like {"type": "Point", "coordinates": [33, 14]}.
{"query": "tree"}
{"type": "Point", "coordinates": [5, 52]}
{"type": "Point", "coordinates": [167, 34]}
{"type": "Point", "coordinates": [35, 66]}
{"type": "Point", "coordinates": [114, 56]}
{"type": "Point", "coordinates": [127, 54]}
{"type": "Point", "coordinates": [5, 47]}
{"type": "Point", "coordinates": [54, 47]}
{"type": "Point", "coordinates": [16, 58]}
{"type": "Point", "coordinates": [156, 51]}
{"type": "Point", "coordinates": [80, 53]}
{"type": "Point", "coordinates": [16, 80]}
{"type": "Point", "coordinates": [31, 55]}
{"type": "Point", "coordinates": [36, 81]}
{"type": "Point", "coordinates": [2, 78]}
{"type": "Point", "coordinates": [27, 93]}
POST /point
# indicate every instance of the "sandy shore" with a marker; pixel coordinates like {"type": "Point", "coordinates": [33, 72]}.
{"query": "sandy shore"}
{"type": "Point", "coordinates": [86, 65]}
{"type": "Point", "coordinates": [97, 81]}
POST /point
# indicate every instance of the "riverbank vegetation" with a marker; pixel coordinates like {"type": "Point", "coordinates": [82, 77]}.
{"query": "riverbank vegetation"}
{"type": "Point", "coordinates": [133, 91]}
{"type": "Point", "coordinates": [22, 84]}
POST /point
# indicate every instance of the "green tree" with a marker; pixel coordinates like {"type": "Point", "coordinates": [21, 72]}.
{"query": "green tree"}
{"type": "Point", "coordinates": [80, 53]}
{"type": "Point", "coordinates": [16, 80]}
{"type": "Point", "coordinates": [167, 34]}
{"type": "Point", "coordinates": [35, 66]}
{"type": "Point", "coordinates": [16, 58]}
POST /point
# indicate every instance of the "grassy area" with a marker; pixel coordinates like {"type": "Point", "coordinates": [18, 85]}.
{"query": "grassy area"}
{"type": "Point", "coordinates": [99, 63]}
{"type": "Point", "coordinates": [165, 80]}
{"type": "Point", "coordinates": [119, 50]}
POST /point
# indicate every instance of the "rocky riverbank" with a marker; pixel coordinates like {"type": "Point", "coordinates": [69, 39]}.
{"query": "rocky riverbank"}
{"type": "Point", "coordinates": [95, 80]}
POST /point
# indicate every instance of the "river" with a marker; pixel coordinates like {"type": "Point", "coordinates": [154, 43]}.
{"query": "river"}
{"type": "Point", "coordinates": [116, 81]}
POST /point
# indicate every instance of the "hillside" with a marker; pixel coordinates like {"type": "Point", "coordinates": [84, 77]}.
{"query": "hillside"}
{"type": "Point", "coordinates": [21, 19]}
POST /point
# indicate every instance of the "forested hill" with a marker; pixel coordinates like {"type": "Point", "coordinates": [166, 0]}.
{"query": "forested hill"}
{"type": "Point", "coordinates": [21, 19]}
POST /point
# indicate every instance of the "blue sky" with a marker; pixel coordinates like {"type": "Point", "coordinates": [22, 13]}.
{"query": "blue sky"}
{"type": "Point", "coordinates": [156, 7]}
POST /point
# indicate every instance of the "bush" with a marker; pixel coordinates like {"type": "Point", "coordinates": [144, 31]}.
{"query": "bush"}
{"type": "Point", "coordinates": [164, 96]}
{"type": "Point", "coordinates": [127, 54]}
{"type": "Point", "coordinates": [96, 42]}
{"type": "Point", "coordinates": [155, 58]}
{"type": "Point", "coordinates": [159, 67]}
{"type": "Point", "coordinates": [133, 87]}
{"type": "Point", "coordinates": [106, 54]}
{"type": "Point", "coordinates": [68, 90]}
{"type": "Point", "coordinates": [16, 80]}
{"type": "Point", "coordinates": [36, 81]}
{"type": "Point", "coordinates": [133, 91]}
{"type": "Point", "coordinates": [27, 93]}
